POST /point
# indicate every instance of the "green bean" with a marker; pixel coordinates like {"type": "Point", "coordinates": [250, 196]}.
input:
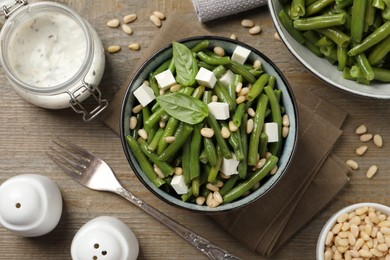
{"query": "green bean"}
{"type": "Point", "coordinates": [213, 60]}
{"type": "Point", "coordinates": [143, 161]}
{"type": "Point", "coordinates": [134, 132]}
{"type": "Point", "coordinates": [150, 131]}
{"type": "Point", "coordinates": [195, 185]}
{"type": "Point", "coordinates": [381, 74]}
{"type": "Point", "coordinates": [386, 13]}
{"type": "Point", "coordinates": [206, 65]}
{"type": "Point", "coordinates": [358, 12]}
{"type": "Point", "coordinates": [154, 118]}
{"type": "Point", "coordinates": [200, 46]}
{"type": "Point", "coordinates": [242, 167]}
{"type": "Point", "coordinates": [314, 49]}
{"type": "Point", "coordinates": [258, 123]}
{"type": "Point", "coordinates": [320, 22]}
{"type": "Point", "coordinates": [198, 92]}
{"type": "Point", "coordinates": [207, 96]}
{"type": "Point", "coordinates": [185, 162]}
{"type": "Point", "coordinates": [241, 70]}
{"type": "Point", "coordinates": [196, 141]}
{"type": "Point", "coordinates": [218, 71]}
{"type": "Point", "coordinates": [287, 22]}
{"type": "Point", "coordinates": [237, 79]}
{"type": "Point", "coordinates": [277, 118]}
{"type": "Point", "coordinates": [379, 4]}
{"type": "Point", "coordinates": [311, 36]}
{"type": "Point", "coordinates": [229, 184]}
{"type": "Point", "coordinates": [258, 87]}
{"type": "Point", "coordinates": [235, 141]}
{"type": "Point", "coordinates": [182, 133]}
{"type": "Point", "coordinates": [153, 85]}
{"type": "Point", "coordinates": [370, 13]}
{"type": "Point", "coordinates": [203, 157]}
{"type": "Point", "coordinates": [317, 6]}
{"type": "Point", "coordinates": [165, 168]}
{"type": "Point", "coordinates": [342, 58]}
{"type": "Point", "coordinates": [238, 114]}
{"type": "Point", "coordinates": [224, 96]}
{"type": "Point", "coordinates": [329, 52]}
{"type": "Point", "coordinates": [324, 41]}
{"type": "Point", "coordinates": [344, 3]}
{"type": "Point", "coordinates": [162, 67]}
{"type": "Point", "coordinates": [263, 144]}
{"type": "Point", "coordinates": [154, 143]}
{"type": "Point", "coordinates": [297, 9]}
{"type": "Point", "coordinates": [169, 130]}
{"type": "Point", "coordinates": [375, 37]}
{"type": "Point", "coordinates": [212, 122]}
{"type": "Point", "coordinates": [257, 176]}
{"type": "Point", "coordinates": [379, 52]}
{"type": "Point", "coordinates": [336, 35]}
{"type": "Point", "coordinates": [211, 151]}
{"type": "Point", "coordinates": [215, 169]}
{"type": "Point", "coordinates": [187, 196]}
{"type": "Point", "coordinates": [365, 66]}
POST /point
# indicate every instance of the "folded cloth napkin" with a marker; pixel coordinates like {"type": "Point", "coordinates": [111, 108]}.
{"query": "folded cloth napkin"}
{"type": "Point", "coordinates": [270, 221]}
{"type": "Point", "coordinates": [212, 9]}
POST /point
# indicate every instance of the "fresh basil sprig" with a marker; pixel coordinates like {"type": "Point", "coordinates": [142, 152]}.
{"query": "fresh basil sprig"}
{"type": "Point", "coordinates": [184, 107]}
{"type": "Point", "coordinates": [185, 64]}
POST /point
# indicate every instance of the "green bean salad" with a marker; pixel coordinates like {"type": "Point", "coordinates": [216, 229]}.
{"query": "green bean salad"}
{"type": "Point", "coordinates": [209, 127]}
{"type": "Point", "coordinates": [354, 35]}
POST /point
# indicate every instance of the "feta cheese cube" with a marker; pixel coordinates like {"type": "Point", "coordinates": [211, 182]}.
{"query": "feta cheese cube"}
{"type": "Point", "coordinates": [219, 109]}
{"type": "Point", "coordinates": [179, 185]}
{"type": "Point", "coordinates": [227, 78]}
{"type": "Point", "coordinates": [229, 166]}
{"type": "Point", "coordinates": [240, 54]}
{"type": "Point", "coordinates": [271, 129]}
{"type": "Point", "coordinates": [206, 78]}
{"type": "Point", "coordinates": [144, 94]}
{"type": "Point", "coordinates": [165, 79]}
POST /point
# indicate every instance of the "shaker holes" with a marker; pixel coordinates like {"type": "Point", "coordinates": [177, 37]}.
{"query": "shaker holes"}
{"type": "Point", "coordinates": [96, 246]}
{"type": "Point", "coordinates": [18, 205]}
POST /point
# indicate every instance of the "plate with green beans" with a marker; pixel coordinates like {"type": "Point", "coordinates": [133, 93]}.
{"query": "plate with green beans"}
{"type": "Point", "coordinates": [209, 124]}
{"type": "Point", "coordinates": [345, 43]}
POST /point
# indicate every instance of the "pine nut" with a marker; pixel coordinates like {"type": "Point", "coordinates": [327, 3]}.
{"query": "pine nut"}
{"type": "Point", "coordinates": [129, 18]}
{"type": "Point", "coordinates": [362, 129]}
{"type": "Point", "coordinates": [361, 150]}
{"type": "Point", "coordinates": [328, 255]}
{"type": "Point", "coordinates": [224, 176]}
{"type": "Point", "coordinates": [175, 88]}
{"type": "Point", "coordinates": [113, 48]}
{"type": "Point", "coordinates": [155, 20]}
{"type": "Point", "coordinates": [365, 253]}
{"type": "Point", "coordinates": [240, 99]}
{"type": "Point", "coordinates": [268, 155]}
{"type": "Point", "coordinates": [225, 132]}
{"type": "Point", "coordinates": [137, 109]}
{"type": "Point", "coordinates": [214, 98]}
{"type": "Point", "coordinates": [260, 163]}
{"type": "Point", "coordinates": [218, 197]}
{"type": "Point", "coordinates": [329, 238]}
{"type": "Point", "coordinates": [249, 126]}
{"type": "Point", "coordinates": [251, 112]}
{"type": "Point", "coordinates": [385, 230]}
{"type": "Point", "coordinates": [342, 218]}
{"type": "Point", "coordinates": [162, 92]}
{"type": "Point", "coordinates": [158, 172]}
{"type": "Point", "coordinates": [207, 132]}
{"type": "Point", "coordinates": [219, 183]}
{"type": "Point", "coordinates": [352, 164]}
{"type": "Point", "coordinates": [238, 87]}
{"type": "Point", "coordinates": [244, 91]}
{"type": "Point", "coordinates": [133, 122]}
{"type": "Point", "coordinates": [361, 211]}
{"type": "Point", "coordinates": [232, 126]}
{"type": "Point", "coordinates": [178, 171]}
{"type": "Point", "coordinates": [274, 170]}
{"type": "Point", "coordinates": [378, 141]}
{"type": "Point", "coordinates": [169, 139]}
{"type": "Point", "coordinates": [162, 124]}
{"type": "Point", "coordinates": [255, 30]}
{"type": "Point", "coordinates": [371, 171]}
{"type": "Point", "coordinates": [219, 51]}
{"type": "Point", "coordinates": [285, 120]}
{"type": "Point", "coordinates": [127, 29]}
{"type": "Point", "coordinates": [159, 14]}
{"type": "Point", "coordinates": [209, 198]}
{"type": "Point", "coordinates": [285, 131]}
{"type": "Point", "coordinates": [257, 64]}
{"type": "Point", "coordinates": [233, 37]}
{"type": "Point", "coordinates": [247, 23]}
{"type": "Point", "coordinates": [143, 134]}
{"type": "Point", "coordinates": [277, 36]}
{"type": "Point", "coordinates": [113, 23]}
{"type": "Point", "coordinates": [211, 187]}
{"type": "Point", "coordinates": [134, 46]}
{"type": "Point", "coordinates": [382, 247]}
{"type": "Point", "coordinates": [213, 203]}
{"type": "Point", "coordinates": [365, 137]}
{"type": "Point", "coordinates": [200, 200]}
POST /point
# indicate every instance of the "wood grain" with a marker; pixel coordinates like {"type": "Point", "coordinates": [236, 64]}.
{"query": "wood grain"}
{"type": "Point", "coordinates": [25, 131]}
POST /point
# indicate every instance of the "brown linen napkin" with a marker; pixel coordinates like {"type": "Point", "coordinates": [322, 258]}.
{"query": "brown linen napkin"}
{"type": "Point", "coordinates": [262, 226]}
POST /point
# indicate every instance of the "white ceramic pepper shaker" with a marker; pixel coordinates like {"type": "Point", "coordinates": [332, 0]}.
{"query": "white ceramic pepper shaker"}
{"type": "Point", "coordinates": [30, 205]}
{"type": "Point", "coordinates": [105, 238]}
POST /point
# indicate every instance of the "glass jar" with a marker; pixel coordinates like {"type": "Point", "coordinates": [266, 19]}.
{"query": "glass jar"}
{"type": "Point", "coordinates": [52, 57]}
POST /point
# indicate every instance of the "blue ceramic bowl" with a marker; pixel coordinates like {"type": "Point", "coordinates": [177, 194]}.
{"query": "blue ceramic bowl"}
{"type": "Point", "coordinates": [229, 45]}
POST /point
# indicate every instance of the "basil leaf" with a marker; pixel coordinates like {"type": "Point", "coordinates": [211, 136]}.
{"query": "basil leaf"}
{"type": "Point", "coordinates": [185, 108]}
{"type": "Point", "coordinates": [185, 64]}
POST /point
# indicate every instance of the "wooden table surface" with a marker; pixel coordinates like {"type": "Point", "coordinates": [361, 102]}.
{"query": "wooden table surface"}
{"type": "Point", "coordinates": [25, 132]}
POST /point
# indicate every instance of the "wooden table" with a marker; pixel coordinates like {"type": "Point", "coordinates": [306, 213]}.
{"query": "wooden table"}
{"type": "Point", "coordinates": [25, 132]}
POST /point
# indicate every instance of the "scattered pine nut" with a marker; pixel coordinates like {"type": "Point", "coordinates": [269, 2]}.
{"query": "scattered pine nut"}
{"type": "Point", "coordinates": [365, 137]}
{"type": "Point", "coordinates": [155, 20]}
{"type": "Point", "coordinates": [207, 132]}
{"type": "Point", "coordinates": [255, 30]}
{"type": "Point", "coordinates": [169, 139]}
{"type": "Point", "coordinates": [238, 87]}
{"type": "Point", "coordinates": [219, 51]}
{"type": "Point", "coordinates": [257, 64]}
{"type": "Point", "coordinates": [244, 91]}
{"type": "Point", "coordinates": [233, 37]}
{"type": "Point", "coordinates": [361, 150]}
{"type": "Point", "coordinates": [285, 120]}
{"type": "Point", "coordinates": [362, 129]}
{"type": "Point", "coordinates": [249, 126]}
{"type": "Point", "coordinates": [285, 131]}
{"type": "Point", "coordinates": [260, 163]}
{"type": "Point", "coordinates": [134, 46]}
{"type": "Point", "coordinates": [277, 36]}
{"type": "Point", "coordinates": [137, 109]}
{"type": "Point", "coordinates": [175, 88]}
{"type": "Point", "coordinates": [113, 48]}
{"type": "Point", "coordinates": [251, 112]}
{"type": "Point", "coordinates": [218, 197]}
{"type": "Point", "coordinates": [212, 187]}
{"type": "Point", "coordinates": [160, 15]}
{"type": "Point", "coordinates": [274, 170]}
{"type": "Point", "coordinates": [200, 200]}
{"type": "Point", "coordinates": [214, 98]}
{"type": "Point", "coordinates": [352, 164]}
{"type": "Point", "coordinates": [127, 29]}
{"type": "Point", "coordinates": [178, 171]}
{"type": "Point", "coordinates": [371, 171]}
{"type": "Point", "coordinates": [162, 124]}
{"type": "Point", "coordinates": [232, 126]}
{"type": "Point", "coordinates": [247, 23]}
{"type": "Point", "coordinates": [129, 18]}
{"type": "Point", "coordinates": [225, 132]}
{"type": "Point", "coordinates": [114, 23]}
{"type": "Point", "coordinates": [158, 171]}
{"type": "Point", "coordinates": [143, 134]}
{"type": "Point", "coordinates": [133, 122]}
{"type": "Point", "coordinates": [378, 141]}
{"type": "Point", "coordinates": [240, 99]}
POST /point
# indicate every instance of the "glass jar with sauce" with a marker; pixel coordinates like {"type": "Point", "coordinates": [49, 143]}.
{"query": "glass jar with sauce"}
{"type": "Point", "coordinates": [52, 57]}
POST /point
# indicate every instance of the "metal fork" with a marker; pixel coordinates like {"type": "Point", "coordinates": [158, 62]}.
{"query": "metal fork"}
{"type": "Point", "coordinates": [92, 172]}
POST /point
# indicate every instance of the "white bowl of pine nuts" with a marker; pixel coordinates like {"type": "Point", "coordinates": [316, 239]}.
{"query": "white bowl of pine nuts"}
{"type": "Point", "coordinates": [358, 231]}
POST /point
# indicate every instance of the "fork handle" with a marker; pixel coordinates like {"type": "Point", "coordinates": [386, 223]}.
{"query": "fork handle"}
{"type": "Point", "coordinates": [200, 243]}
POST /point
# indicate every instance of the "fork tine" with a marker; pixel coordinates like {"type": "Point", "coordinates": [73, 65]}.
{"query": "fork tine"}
{"type": "Point", "coordinates": [72, 148]}
{"type": "Point", "coordinates": [65, 166]}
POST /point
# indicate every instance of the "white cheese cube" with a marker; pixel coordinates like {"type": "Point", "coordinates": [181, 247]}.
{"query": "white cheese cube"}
{"type": "Point", "coordinates": [227, 78]}
{"type": "Point", "coordinates": [219, 109]}
{"type": "Point", "coordinates": [144, 94]}
{"type": "Point", "coordinates": [229, 166]}
{"type": "Point", "coordinates": [165, 79]}
{"type": "Point", "coordinates": [240, 54]}
{"type": "Point", "coordinates": [271, 129]}
{"type": "Point", "coordinates": [179, 185]}
{"type": "Point", "coordinates": [206, 78]}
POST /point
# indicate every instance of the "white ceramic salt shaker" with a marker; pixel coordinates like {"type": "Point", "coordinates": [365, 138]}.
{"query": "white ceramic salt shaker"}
{"type": "Point", "coordinates": [30, 205]}
{"type": "Point", "coordinates": [105, 238]}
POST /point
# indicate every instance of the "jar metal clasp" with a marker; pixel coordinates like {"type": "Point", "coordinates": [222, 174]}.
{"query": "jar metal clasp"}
{"type": "Point", "coordinates": [8, 10]}
{"type": "Point", "coordinates": [94, 93]}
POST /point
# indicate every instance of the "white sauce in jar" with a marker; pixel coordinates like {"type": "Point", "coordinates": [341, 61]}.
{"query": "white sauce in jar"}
{"type": "Point", "coordinates": [47, 49]}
